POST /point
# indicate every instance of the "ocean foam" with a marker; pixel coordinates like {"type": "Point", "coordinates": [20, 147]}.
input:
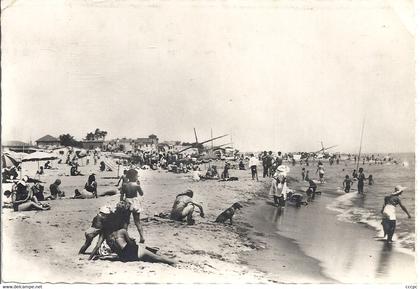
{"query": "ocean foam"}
{"type": "Point", "coordinates": [348, 212]}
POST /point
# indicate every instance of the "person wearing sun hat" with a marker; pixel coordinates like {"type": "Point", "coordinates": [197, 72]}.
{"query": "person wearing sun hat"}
{"type": "Point", "coordinates": [389, 218]}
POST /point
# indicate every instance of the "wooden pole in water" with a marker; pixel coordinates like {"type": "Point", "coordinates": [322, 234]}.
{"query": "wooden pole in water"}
{"type": "Point", "coordinates": [360, 147]}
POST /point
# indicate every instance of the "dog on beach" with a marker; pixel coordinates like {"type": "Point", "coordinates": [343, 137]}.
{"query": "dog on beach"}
{"type": "Point", "coordinates": [228, 213]}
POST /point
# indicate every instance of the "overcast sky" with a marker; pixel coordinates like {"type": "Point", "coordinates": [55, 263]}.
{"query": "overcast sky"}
{"type": "Point", "coordinates": [279, 75]}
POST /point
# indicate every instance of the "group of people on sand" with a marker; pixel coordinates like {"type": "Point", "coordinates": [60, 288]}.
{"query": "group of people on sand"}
{"type": "Point", "coordinates": [213, 174]}
{"type": "Point", "coordinates": [26, 198]}
{"type": "Point", "coordinates": [111, 224]}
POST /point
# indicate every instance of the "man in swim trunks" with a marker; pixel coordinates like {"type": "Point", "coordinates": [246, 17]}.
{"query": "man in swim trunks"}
{"type": "Point", "coordinates": [388, 210]}
{"type": "Point", "coordinates": [360, 181]}
{"type": "Point", "coordinates": [131, 192]}
{"type": "Point", "coordinates": [184, 207]}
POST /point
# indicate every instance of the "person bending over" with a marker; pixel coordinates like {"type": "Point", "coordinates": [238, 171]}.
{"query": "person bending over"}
{"type": "Point", "coordinates": [184, 206]}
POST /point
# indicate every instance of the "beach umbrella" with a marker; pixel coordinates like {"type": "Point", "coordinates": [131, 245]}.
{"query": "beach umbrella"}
{"type": "Point", "coordinates": [81, 153]}
{"type": "Point", "coordinates": [8, 161]}
{"type": "Point", "coordinates": [39, 156]}
{"type": "Point", "coordinates": [17, 156]}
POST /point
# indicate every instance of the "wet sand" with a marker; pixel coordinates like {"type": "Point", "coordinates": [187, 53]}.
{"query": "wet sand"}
{"type": "Point", "coordinates": [309, 244]}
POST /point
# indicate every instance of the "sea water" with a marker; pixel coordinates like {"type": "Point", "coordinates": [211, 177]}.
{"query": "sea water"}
{"type": "Point", "coordinates": [355, 208]}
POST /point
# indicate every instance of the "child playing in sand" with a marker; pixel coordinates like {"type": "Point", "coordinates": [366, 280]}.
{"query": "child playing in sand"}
{"type": "Point", "coordinates": [303, 174]}
{"type": "Point", "coordinates": [347, 183]}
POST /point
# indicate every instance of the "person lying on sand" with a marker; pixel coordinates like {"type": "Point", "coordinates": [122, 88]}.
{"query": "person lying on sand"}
{"type": "Point", "coordinates": [113, 229]}
{"type": "Point", "coordinates": [184, 206]}
{"type": "Point", "coordinates": [128, 251]}
{"type": "Point", "coordinates": [23, 200]}
{"type": "Point", "coordinates": [84, 194]}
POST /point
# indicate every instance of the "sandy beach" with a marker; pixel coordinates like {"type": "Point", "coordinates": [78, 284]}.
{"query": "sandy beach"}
{"type": "Point", "coordinates": [45, 243]}
{"type": "Point", "coordinates": [265, 243]}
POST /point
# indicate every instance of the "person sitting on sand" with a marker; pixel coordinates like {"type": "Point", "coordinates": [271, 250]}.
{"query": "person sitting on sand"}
{"type": "Point", "coordinates": [74, 171]}
{"type": "Point", "coordinates": [347, 183]}
{"type": "Point", "coordinates": [115, 233]}
{"type": "Point", "coordinates": [40, 171]}
{"type": "Point", "coordinates": [101, 165]}
{"type": "Point", "coordinates": [131, 192]}
{"type": "Point", "coordinates": [196, 174]}
{"type": "Point", "coordinates": [91, 185]}
{"type": "Point", "coordinates": [389, 217]}
{"type": "Point", "coordinates": [38, 191]}
{"type": "Point", "coordinates": [212, 173]}
{"type": "Point", "coordinates": [184, 206]}
{"type": "Point", "coordinates": [47, 165]}
{"type": "Point", "coordinates": [23, 200]}
{"type": "Point", "coordinates": [55, 190]}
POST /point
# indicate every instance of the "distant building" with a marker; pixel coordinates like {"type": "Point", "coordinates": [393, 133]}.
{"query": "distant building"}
{"type": "Point", "coordinates": [47, 142]}
{"type": "Point", "coordinates": [17, 146]}
{"type": "Point", "coordinates": [132, 145]}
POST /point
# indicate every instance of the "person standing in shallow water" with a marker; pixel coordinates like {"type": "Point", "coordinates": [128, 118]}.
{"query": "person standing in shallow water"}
{"type": "Point", "coordinates": [389, 218]}
{"type": "Point", "coordinates": [265, 164]}
{"type": "Point", "coordinates": [360, 181]}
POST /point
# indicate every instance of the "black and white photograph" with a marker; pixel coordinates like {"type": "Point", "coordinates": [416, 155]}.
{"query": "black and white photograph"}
{"type": "Point", "coordinates": [208, 142]}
